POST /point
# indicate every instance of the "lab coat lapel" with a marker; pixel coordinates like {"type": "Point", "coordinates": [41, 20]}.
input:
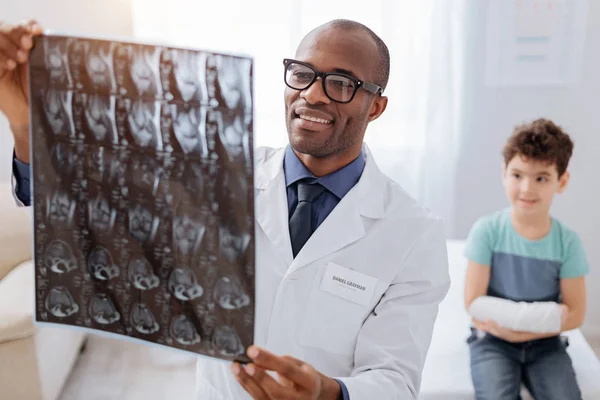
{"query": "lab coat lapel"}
{"type": "Point", "coordinates": [271, 205]}
{"type": "Point", "coordinates": [345, 225]}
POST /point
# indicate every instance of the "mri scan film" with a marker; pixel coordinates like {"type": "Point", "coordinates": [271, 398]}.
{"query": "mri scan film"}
{"type": "Point", "coordinates": [143, 195]}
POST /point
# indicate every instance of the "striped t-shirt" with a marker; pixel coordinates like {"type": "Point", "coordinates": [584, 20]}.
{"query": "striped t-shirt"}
{"type": "Point", "coordinates": [523, 269]}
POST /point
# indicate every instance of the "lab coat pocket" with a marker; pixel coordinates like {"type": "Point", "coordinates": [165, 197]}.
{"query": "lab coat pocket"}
{"type": "Point", "coordinates": [331, 323]}
{"type": "Point", "coordinates": [338, 303]}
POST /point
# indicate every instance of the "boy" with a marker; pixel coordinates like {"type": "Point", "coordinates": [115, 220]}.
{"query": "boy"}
{"type": "Point", "coordinates": [527, 258]}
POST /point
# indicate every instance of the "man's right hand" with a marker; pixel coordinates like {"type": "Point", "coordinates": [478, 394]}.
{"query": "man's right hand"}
{"type": "Point", "coordinates": [15, 43]}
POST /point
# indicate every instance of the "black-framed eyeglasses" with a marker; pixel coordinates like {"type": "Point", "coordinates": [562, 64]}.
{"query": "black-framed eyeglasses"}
{"type": "Point", "coordinates": [338, 87]}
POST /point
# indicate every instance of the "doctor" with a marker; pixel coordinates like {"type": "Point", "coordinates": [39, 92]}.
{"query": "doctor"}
{"type": "Point", "coordinates": [350, 269]}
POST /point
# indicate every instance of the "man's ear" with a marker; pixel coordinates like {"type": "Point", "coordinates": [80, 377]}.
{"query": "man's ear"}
{"type": "Point", "coordinates": [378, 107]}
{"type": "Point", "coordinates": [563, 181]}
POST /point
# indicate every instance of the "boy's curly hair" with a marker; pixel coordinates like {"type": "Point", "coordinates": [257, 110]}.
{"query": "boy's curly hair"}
{"type": "Point", "coordinates": [540, 140]}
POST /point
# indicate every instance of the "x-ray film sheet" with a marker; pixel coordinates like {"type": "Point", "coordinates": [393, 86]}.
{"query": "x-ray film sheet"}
{"type": "Point", "coordinates": [142, 180]}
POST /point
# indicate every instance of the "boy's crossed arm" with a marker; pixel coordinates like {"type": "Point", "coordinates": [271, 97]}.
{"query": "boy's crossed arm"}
{"type": "Point", "coordinates": [569, 315]}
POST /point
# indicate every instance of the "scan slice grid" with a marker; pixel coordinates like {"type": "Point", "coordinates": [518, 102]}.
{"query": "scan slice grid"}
{"type": "Point", "coordinates": [143, 192]}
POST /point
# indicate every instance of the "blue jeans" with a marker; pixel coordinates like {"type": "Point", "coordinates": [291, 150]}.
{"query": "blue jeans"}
{"type": "Point", "coordinates": [498, 368]}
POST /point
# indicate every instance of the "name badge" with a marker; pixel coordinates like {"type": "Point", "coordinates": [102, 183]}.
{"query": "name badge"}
{"type": "Point", "coordinates": [350, 285]}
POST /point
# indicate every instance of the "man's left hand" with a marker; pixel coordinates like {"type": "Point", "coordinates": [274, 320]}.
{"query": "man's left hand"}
{"type": "Point", "coordinates": [293, 379]}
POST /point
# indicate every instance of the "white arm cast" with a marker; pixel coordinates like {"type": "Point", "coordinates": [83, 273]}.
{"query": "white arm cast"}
{"type": "Point", "coordinates": [537, 317]}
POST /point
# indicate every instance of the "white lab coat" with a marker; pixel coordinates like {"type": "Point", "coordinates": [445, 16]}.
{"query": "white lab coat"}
{"type": "Point", "coordinates": [377, 229]}
{"type": "Point", "coordinates": [378, 349]}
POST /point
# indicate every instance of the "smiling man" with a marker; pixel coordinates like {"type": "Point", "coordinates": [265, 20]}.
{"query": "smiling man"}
{"type": "Point", "coordinates": [350, 270]}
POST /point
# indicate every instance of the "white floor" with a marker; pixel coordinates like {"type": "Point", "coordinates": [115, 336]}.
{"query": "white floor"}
{"type": "Point", "coordinates": [111, 369]}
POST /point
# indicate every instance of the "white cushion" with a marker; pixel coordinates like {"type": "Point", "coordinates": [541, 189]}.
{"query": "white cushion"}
{"type": "Point", "coordinates": [16, 303]}
{"type": "Point", "coordinates": [15, 232]}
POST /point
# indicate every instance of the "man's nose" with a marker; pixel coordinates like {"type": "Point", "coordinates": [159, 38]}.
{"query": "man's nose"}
{"type": "Point", "coordinates": [315, 94]}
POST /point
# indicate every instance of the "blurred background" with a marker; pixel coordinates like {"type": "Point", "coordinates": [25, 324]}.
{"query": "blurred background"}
{"type": "Point", "coordinates": [456, 91]}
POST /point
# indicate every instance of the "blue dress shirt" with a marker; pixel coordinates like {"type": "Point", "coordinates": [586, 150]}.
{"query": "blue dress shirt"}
{"type": "Point", "coordinates": [337, 183]}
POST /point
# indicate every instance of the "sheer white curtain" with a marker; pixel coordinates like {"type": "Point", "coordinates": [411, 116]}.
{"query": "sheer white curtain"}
{"type": "Point", "coordinates": [414, 141]}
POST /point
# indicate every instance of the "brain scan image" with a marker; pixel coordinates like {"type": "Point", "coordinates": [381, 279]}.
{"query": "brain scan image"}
{"type": "Point", "coordinates": [59, 257]}
{"type": "Point", "coordinates": [56, 62]}
{"type": "Point", "coordinates": [193, 179]}
{"type": "Point", "coordinates": [98, 65]}
{"type": "Point", "coordinates": [101, 216]}
{"type": "Point", "coordinates": [99, 116]}
{"type": "Point", "coordinates": [103, 310]}
{"type": "Point", "coordinates": [98, 162]}
{"type": "Point", "coordinates": [145, 173]}
{"type": "Point", "coordinates": [143, 320]}
{"type": "Point", "coordinates": [142, 224]}
{"type": "Point", "coordinates": [187, 81]}
{"type": "Point", "coordinates": [100, 264]}
{"type": "Point", "coordinates": [143, 122]}
{"type": "Point", "coordinates": [141, 275]}
{"type": "Point", "coordinates": [187, 129]}
{"type": "Point", "coordinates": [63, 158]}
{"type": "Point", "coordinates": [144, 70]}
{"type": "Point", "coordinates": [233, 137]}
{"type": "Point", "coordinates": [60, 208]}
{"type": "Point", "coordinates": [57, 107]}
{"type": "Point", "coordinates": [184, 331]}
{"type": "Point", "coordinates": [234, 82]}
{"type": "Point", "coordinates": [60, 303]}
{"type": "Point", "coordinates": [184, 285]}
{"type": "Point", "coordinates": [232, 245]}
{"type": "Point", "coordinates": [228, 294]}
{"type": "Point", "coordinates": [187, 234]}
{"type": "Point", "coordinates": [226, 340]}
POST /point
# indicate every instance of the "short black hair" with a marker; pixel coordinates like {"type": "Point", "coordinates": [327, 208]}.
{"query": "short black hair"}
{"type": "Point", "coordinates": [382, 73]}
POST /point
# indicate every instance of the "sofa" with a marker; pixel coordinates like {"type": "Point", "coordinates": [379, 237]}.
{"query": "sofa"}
{"type": "Point", "coordinates": [35, 361]}
{"type": "Point", "coordinates": [447, 375]}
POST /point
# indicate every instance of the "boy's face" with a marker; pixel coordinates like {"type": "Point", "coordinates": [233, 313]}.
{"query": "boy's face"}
{"type": "Point", "coordinates": [530, 185]}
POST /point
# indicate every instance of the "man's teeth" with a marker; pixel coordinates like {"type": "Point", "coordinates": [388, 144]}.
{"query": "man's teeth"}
{"type": "Point", "coordinates": [313, 119]}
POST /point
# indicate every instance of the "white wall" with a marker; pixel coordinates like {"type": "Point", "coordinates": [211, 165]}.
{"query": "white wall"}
{"type": "Point", "coordinates": [90, 17]}
{"type": "Point", "coordinates": [488, 118]}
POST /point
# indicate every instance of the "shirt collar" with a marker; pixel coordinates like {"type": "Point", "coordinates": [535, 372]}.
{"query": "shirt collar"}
{"type": "Point", "coordinates": [339, 182]}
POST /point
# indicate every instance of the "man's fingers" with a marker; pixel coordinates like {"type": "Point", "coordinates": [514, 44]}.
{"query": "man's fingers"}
{"type": "Point", "coordinates": [34, 27]}
{"type": "Point", "coordinates": [248, 383]}
{"type": "Point", "coordinates": [6, 63]}
{"type": "Point", "coordinates": [282, 379]}
{"type": "Point", "coordinates": [293, 360]}
{"type": "Point", "coordinates": [21, 36]}
{"type": "Point", "coordinates": [283, 366]}
{"type": "Point", "coordinates": [285, 382]}
{"type": "Point", "coordinates": [18, 40]}
{"type": "Point", "coordinates": [271, 387]}
{"type": "Point", "coordinates": [9, 50]}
